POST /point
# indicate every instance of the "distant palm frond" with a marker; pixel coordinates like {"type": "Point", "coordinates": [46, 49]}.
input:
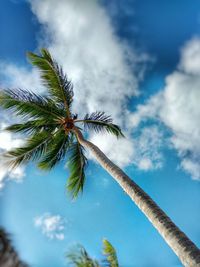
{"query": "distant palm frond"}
{"type": "Point", "coordinates": [80, 258]}
{"type": "Point", "coordinates": [8, 255]}
{"type": "Point", "coordinates": [111, 255]}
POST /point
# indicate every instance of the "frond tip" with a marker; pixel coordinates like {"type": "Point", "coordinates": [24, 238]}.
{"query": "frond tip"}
{"type": "Point", "coordinates": [110, 253]}
{"type": "Point", "coordinates": [100, 122]}
{"type": "Point", "coordinates": [52, 75]}
{"type": "Point", "coordinates": [33, 149]}
{"type": "Point", "coordinates": [76, 163]}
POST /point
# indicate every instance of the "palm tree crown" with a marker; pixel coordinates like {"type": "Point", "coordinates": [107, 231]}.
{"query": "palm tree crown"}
{"type": "Point", "coordinates": [50, 124]}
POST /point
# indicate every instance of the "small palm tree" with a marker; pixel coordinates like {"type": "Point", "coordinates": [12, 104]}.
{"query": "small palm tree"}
{"type": "Point", "coordinates": [8, 255]}
{"type": "Point", "coordinates": [80, 257]}
{"type": "Point", "coordinates": [54, 132]}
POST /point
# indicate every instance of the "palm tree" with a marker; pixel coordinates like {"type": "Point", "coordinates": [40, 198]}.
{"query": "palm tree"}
{"type": "Point", "coordinates": [8, 255]}
{"type": "Point", "coordinates": [80, 257]}
{"type": "Point", "coordinates": [54, 132]}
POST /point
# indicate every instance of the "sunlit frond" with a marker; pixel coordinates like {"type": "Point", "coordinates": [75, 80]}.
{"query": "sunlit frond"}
{"type": "Point", "coordinates": [110, 253]}
{"type": "Point", "coordinates": [33, 149]}
{"type": "Point", "coordinates": [76, 163]}
{"type": "Point", "coordinates": [56, 151]}
{"type": "Point", "coordinates": [29, 105]}
{"type": "Point", "coordinates": [80, 258]}
{"type": "Point", "coordinates": [100, 122]}
{"type": "Point", "coordinates": [54, 78]}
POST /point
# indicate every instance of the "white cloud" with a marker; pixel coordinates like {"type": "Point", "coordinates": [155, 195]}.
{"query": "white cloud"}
{"type": "Point", "coordinates": [83, 42]}
{"type": "Point", "coordinates": [177, 106]}
{"type": "Point", "coordinates": [190, 60]}
{"type": "Point", "coordinates": [191, 166]}
{"type": "Point", "coordinates": [118, 150]}
{"type": "Point", "coordinates": [143, 150]}
{"type": "Point", "coordinates": [52, 226]}
{"type": "Point", "coordinates": [7, 141]}
{"type": "Point", "coordinates": [13, 76]}
{"type": "Point", "coordinates": [148, 146]}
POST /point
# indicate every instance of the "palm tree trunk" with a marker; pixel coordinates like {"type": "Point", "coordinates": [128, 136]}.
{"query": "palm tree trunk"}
{"type": "Point", "coordinates": [183, 247]}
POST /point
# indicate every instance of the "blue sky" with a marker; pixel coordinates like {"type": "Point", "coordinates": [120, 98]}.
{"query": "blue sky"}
{"type": "Point", "coordinates": [138, 61]}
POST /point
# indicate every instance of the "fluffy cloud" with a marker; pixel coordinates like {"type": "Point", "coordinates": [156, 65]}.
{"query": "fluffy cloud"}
{"type": "Point", "coordinates": [13, 76]}
{"type": "Point", "coordinates": [52, 226]}
{"type": "Point", "coordinates": [118, 150]}
{"type": "Point", "coordinates": [148, 146]}
{"type": "Point", "coordinates": [143, 151]}
{"type": "Point", "coordinates": [7, 141]}
{"type": "Point", "coordinates": [82, 40]}
{"type": "Point", "coordinates": [177, 106]}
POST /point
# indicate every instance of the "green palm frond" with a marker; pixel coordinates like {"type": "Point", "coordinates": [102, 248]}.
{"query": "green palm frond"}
{"type": "Point", "coordinates": [29, 105]}
{"type": "Point", "coordinates": [80, 258]}
{"type": "Point", "coordinates": [56, 151]}
{"type": "Point", "coordinates": [99, 122]}
{"type": "Point", "coordinates": [32, 127]}
{"type": "Point", "coordinates": [34, 148]}
{"type": "Point", "coordinates": [54, 78]}
{"type": "Point", "coordinates": [110, 253]}
{"type": "Point", "coordinates": [76, 163]}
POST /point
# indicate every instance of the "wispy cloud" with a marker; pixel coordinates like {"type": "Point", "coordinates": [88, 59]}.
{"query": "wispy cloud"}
{"type": "Point", "coordinates": [52, 226]}
{"type": "Point", "coordinates": [177, 106]}
{"type": "Point", "coordinates": [13, 76]}
{"type": "Point", "coordinates": [148, 149]}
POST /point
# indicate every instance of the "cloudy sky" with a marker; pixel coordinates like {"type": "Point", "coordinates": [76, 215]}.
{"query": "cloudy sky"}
{"type": "Point", "coordinates": [138, 61]}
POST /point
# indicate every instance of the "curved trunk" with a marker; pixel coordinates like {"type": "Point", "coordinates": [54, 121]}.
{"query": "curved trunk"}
{"type": "Point", "coordinates": [184, 248]}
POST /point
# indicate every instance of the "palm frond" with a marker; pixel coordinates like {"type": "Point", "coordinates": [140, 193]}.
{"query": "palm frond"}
{"type": "Point", "coordinates": [29, 105]}
{"type": "Point", "coordinates": [32, 127]}
{"type": "Point", "coordinates": [54, 78]}
{"type": "Point", "coordinates": [76, 163]}
{"type": "Point", "coordinates": [111, 256]}
{"type": "Point", "coordinates": [100, 122]}
{"type": "Point", "coordinates": [80, 258]}
{"type": "Point", "coordinates": [34, 148]}
{"type": "Point", "coordinates": [56, 151]}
